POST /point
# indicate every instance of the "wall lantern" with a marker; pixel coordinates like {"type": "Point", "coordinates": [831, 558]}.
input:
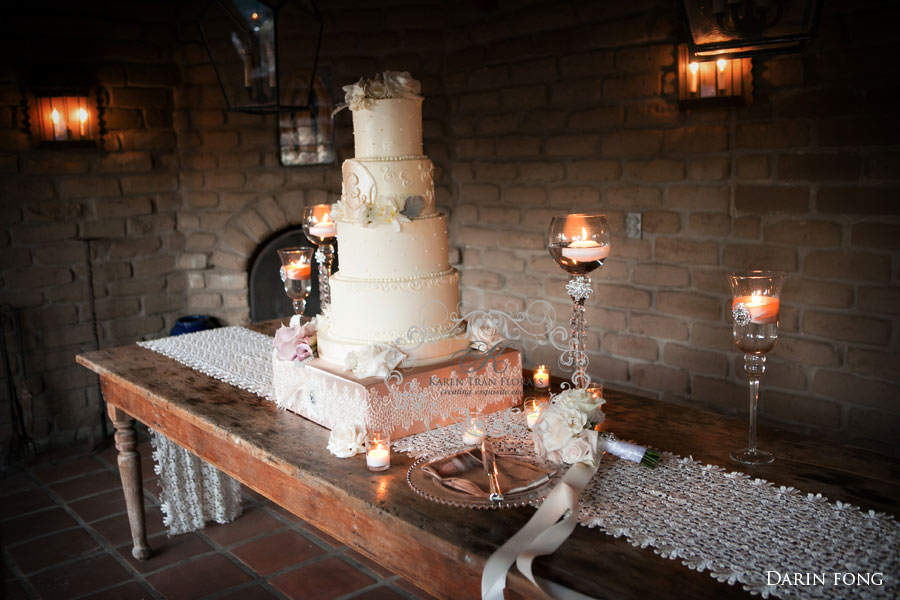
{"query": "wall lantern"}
{"type": "Point", "coordinates": [717, 82]}
{"type": "Point", "coordinates": [60, 107]}
{"type": "Point", "coordinates": [741, 28]}
{"type": "Point", "coordinates": [264, 52]}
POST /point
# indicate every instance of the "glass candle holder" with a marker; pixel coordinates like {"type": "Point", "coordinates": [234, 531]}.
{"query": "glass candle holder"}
{"type": "Point", "coordinates": [754, 311]}
{"type": "Point", "coordinates": [296, 270]}
{"type": "Point", "coordinates": [533, 409]}
{"type": "Point", "coordinates": [321, 230]}
{"type": "Point", "coordinates": [541, 377]}
{"type": "Point", "coordinates": [378, 451]}
{"type": "Point", "coordinates": [476, 430]}
{"type": "Point", "coordinates": [579, 243]}
{"type": "Point", "coordinates": [595, 391]}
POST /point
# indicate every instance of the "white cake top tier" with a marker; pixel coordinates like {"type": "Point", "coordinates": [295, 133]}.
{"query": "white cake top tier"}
{"type": "Point", "coordinates": [388, 128]}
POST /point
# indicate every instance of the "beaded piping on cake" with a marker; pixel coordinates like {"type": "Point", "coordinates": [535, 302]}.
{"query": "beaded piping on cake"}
{"type": "Point", "coordinates": [405, 284]}
{"type": "Point", "coordinates": [423, 335]}
{"type": "Point", "coordinates": [392, 158]}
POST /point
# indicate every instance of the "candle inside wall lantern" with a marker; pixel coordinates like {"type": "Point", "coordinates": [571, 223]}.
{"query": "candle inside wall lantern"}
{"type": "Point", "coordinates": [65, 119]}
{"type": "Point", "coordinates": [541, 377]}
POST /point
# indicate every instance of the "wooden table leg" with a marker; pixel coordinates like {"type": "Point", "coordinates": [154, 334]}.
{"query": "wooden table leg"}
{"type": "Point", "coordinates": [132, 483]}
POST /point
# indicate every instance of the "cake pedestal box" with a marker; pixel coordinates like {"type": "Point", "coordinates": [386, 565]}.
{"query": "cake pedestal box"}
{"type": "Point", "coordinates": [427, 397]}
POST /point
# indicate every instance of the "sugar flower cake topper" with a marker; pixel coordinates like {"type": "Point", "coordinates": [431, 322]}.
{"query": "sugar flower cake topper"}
{"type": "Point", "coordinates": [390, 84]}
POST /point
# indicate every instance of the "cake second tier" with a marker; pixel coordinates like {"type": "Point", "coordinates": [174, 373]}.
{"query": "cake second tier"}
{"type": "Point", "coordinates": [378, 252]}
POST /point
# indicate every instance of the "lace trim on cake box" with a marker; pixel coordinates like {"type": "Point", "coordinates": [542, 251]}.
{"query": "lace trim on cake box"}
{"type": "Point", "coordinates": [421, 398]}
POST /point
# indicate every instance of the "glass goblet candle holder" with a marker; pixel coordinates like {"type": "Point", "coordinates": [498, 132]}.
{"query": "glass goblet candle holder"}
{"type": "Point", "coordinates": [756, 299]}
{"type": "Point", "coordinates": [296, 270]}
{"type": "Point", "coordinates": [321, 230]}
{"type": "Point", "coordinates": [579, 243]}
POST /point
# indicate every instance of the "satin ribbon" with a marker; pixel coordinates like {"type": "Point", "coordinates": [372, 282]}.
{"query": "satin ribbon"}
{"type": "Point", "coordinates": [624, 450]}
{"type": "Point", "coordinates": [547, 529]}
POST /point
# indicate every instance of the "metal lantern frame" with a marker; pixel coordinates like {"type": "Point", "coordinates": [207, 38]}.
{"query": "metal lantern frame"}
{"type": "Point", "coordinates": [309, 8]}
{"type": "Point", "coordinates": [704, 21]}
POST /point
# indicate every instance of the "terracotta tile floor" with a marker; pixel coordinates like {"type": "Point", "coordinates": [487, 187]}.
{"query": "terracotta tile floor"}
{"type": "Point", "coordinates": [64, 534]}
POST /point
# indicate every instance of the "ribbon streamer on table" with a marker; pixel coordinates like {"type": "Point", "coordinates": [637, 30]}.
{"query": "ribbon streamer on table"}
{"type": "Point", "coordinates": [547, 529]}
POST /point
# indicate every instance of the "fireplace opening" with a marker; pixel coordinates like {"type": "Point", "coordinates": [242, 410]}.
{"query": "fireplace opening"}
{"type": "Point", "coordinates": [267, 297]}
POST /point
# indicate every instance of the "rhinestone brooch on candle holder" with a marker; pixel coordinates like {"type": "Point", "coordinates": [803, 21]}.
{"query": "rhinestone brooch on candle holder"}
{"type": "Point", "coordinates": [320, 229]}
{"type": "Point", "coordinates": [579, 243]}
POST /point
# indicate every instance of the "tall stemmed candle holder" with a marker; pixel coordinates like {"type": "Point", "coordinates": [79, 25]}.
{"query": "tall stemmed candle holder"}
{"type": "Point", "coordinates": [754, 309]}
{"type": "Point", "coordinates": [320, 229]}
{"type": "Point", "coordinates": [579, 243]}
{"type": "Point", "coordinates": [296, 270]}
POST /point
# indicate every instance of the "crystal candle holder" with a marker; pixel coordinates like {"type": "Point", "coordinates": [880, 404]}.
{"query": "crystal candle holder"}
{"type": "Point", "coordinates": [756, 299]}
{"type": "Point", "coordinates": [579, 243]}
{"type": "Point", "coordinates": [378, 451]}
{"type": "Point", "coordinates": [321, 230]}
{"type": "Point", "coordinates": [296, 270]}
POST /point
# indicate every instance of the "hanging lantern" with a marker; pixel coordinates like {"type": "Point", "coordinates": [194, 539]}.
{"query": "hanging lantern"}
{"type": "Point", "coordinates": [741, 28]}
{"type": "Point", "coordinates": [264, 52]}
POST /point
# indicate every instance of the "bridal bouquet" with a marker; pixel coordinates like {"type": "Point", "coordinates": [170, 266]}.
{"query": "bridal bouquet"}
{"type": "Point", "coordinates": [566, 432]}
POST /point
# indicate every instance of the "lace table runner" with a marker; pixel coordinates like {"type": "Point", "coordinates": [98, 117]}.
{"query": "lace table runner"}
{"type": "Point", "coordinates": [772, 540]}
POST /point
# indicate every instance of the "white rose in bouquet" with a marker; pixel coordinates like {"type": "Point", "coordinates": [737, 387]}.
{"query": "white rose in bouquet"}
{"type": "Point", "coordinates": [582, 401]}
{"type": "Point", "coordinates": [483, 333]}
{"type": "Point", "coordinates": [582, 448]}
{"type": "Point", "coordinates": [347, 440]}
{"type": "Point", "coordinates": [557, 424]}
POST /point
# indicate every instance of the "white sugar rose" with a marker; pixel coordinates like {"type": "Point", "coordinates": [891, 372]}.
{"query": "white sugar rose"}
{"type": "Point", "coordinates": [377, 360]}
{"type": "Point", "coordinates": [400, 84]}
{"type": "Point", "coordinates": [483, 333]}
{"type": "Point", "coordinates": [581, 449]}
{"type": "Point", "coordinates": [376, 90]}
{"type": "Point", "coordinates": [347, 440]}
{"type": "Point", "coordinates": [355, 96]}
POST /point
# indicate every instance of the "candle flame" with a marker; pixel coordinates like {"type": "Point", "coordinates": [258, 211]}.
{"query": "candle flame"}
{"type": "Point", "coordinates": [54, 116]}
{"type": "Point", "coordinates": [721, 64]}
{"type": "Point", "coordinates": [694, 67]}
{"type": "Point", "coordinates": [583, 233]}
{"type": "Point", "coordinates": [254, 15]}
{"type": "Point", "coordinates": [82, 115]}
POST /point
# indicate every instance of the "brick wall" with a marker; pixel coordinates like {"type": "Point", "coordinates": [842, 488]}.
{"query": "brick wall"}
{"type": "Point", "coordinates": [533, 109]}
{"type": "Point", "coordinates": [126, 198]}
{"type": "Point", "coordinates": [568, 106]}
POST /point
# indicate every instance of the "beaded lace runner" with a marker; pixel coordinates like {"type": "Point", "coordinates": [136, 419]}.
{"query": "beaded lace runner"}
{"type": "Point", "coordinates": [728, 524]}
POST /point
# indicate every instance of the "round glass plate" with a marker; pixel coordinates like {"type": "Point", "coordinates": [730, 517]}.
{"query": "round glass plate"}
{"type": "Point", "coordinates": [423, 484]}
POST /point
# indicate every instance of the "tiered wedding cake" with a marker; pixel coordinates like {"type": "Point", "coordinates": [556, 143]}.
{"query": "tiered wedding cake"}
{"type": "Point", "coordinates": [395, 286]}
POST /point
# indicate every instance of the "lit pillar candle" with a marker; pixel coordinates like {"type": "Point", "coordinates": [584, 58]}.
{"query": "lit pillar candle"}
{"type": "Point", "coordinates": [541, 377]}
{"type": "Point", "coordinates": [694, 77]}
{"type": "Point", "coordinates": [763, 309]}
{"type": "Point", "coordinates": [59, 125]}
{"type": "Point", "coordinates": [721, 76]}
{"type": "Point", "coordinates": [585, 250]}
{"type": "Point", "coordinates": [297, 271]}
{"type": "Point", "coordinates": [324, 229]}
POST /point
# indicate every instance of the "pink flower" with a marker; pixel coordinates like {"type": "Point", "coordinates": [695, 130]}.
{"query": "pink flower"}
{"type": "Point", "coordinates": [303, 351]}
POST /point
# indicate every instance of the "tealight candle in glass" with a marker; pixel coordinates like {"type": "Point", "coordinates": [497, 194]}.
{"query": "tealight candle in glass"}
{"type": "Point", "coordinates": [533, 409]}
{"type": "Point", "coordinates": [475, 429]}
{"type": "Point", "coordinates": [541, 377]}
{"type": "Point", "coordinates": [378, 451]}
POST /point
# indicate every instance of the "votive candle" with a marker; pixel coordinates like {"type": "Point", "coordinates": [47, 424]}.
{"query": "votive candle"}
{"type": "Point", "coordinates": [541, 377]}
{"type": "Point", "coordinates": [378, 452]}
{"type": "Point", "coordinates": [533, 410]}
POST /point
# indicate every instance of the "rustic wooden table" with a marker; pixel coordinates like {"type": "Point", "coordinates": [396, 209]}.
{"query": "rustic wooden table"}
{"type": "Point", "coordinates": [442, 549]}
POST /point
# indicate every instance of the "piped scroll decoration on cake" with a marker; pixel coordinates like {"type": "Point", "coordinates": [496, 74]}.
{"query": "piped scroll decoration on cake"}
{"type": "Point", "coordinates": [359, 190]}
